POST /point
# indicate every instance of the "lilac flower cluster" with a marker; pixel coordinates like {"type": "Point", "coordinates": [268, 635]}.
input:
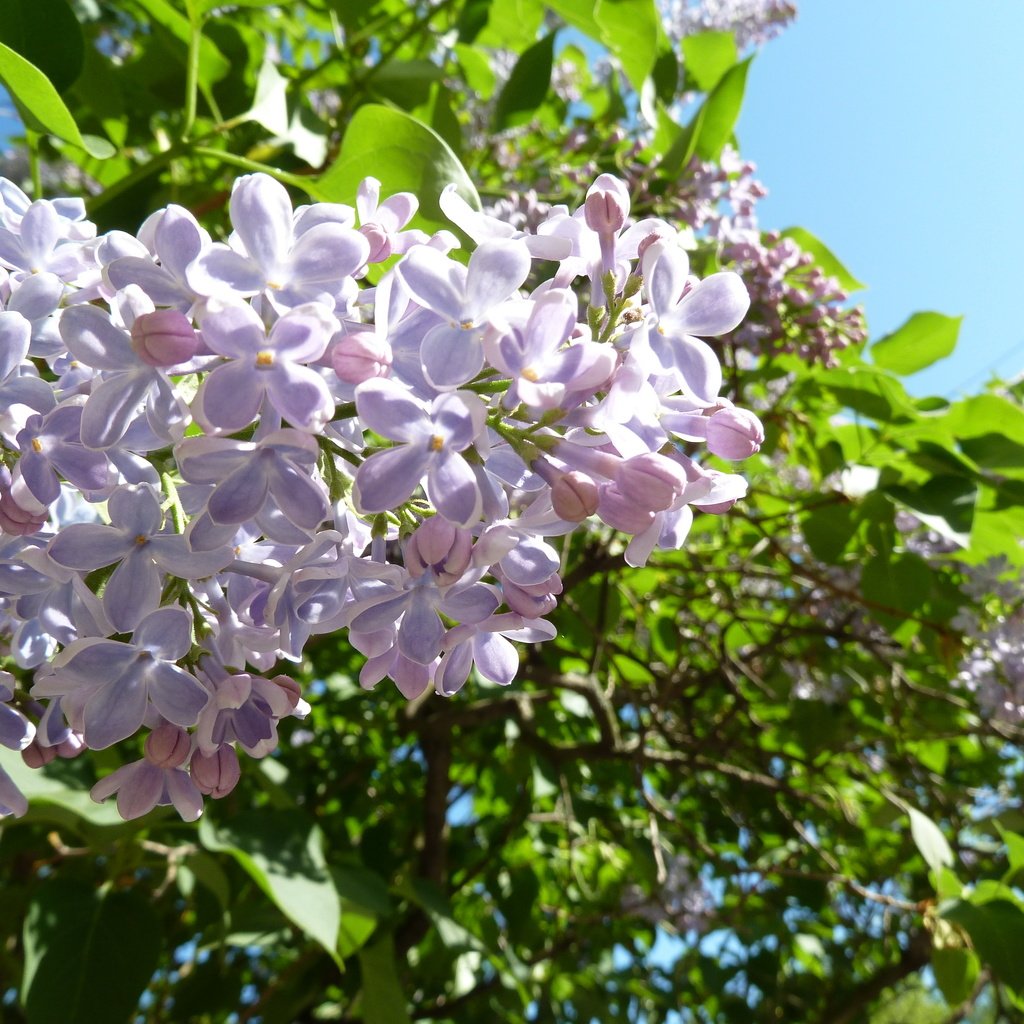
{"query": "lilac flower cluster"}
{"type": "Point", "coordinates": [795, 307]}
{"type": "Point", "coordinates": [214, 451]}
{"type": "Point", "coordinates": [753, 22]}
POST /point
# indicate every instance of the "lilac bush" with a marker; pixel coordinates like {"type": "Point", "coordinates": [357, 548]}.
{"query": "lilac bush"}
{"type": "Point", "coordinates": [214, 451]}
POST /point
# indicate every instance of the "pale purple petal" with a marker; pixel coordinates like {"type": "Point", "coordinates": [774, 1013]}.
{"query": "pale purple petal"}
{"type": "Point", "coordinates": [435, 281]}
{"type": "Point", "coordinates": [300, 395]}
{"type": "Point", "coordinates": [113, 405]}
{"type": "Point", "coordinates": [451, 356]}
{"type": "Point", "coordinates": [261, 214]}
{"type": "Point", "coordinates": [176, 694]}
{"type": "Point", "coordinates": [184, 795]}
{"type": "Point", "coordinates": [88, 546]}
{"type": "Point", "coordinates": [232, 328]}
{"type": "Point", "coordinates": [133, 590]}
{"type": "Point", "coordinates": [387, 408]}
{"type": "Point", "coordinates": [222, 270]}
{"type": "Point", "coordinates": [242, 494]}
{"type": "Point", "coordinates": [230, 396]}
{"type": "Point", "coordinates": [326, 253]}
{"type": "Point", "coordinates": [92, 339]}
{"type": "Point", "coordinates": [715, 306]}
{"type": "Point", "coordinates": [387, 479]}
{"type": "Point", "coordinates": [139, 792]}
{"type": "Point", "coordinates": [115, 711]}
{"type": "Point", "coordinates": [452, 487]}
{"type": "Point", "coordinates": [496, 658]}
{"type": "Point", "coordinates": [497, 270]}
{"type": "Point", "coordinates": [167, 632]}
{"type": "Point", "coordinates": [421, 631]}
{"type": "Point", "coordinates": [297, 495]}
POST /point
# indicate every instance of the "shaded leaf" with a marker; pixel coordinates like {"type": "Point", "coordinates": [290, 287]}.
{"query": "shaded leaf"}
{"type": "Point", "coordinates": [88, 956]}
{"type": "Point", "coordinates": [282, 851]}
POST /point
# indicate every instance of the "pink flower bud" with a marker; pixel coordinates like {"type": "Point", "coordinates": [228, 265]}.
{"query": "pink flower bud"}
{"type": "Point", "coordinates": [291, 689]}
{"type": "Point", "coordinates": [380, 243]}
{"type": "Point", "coordinates": [652, 481]}
{"type": "Point", "coordinates": [15, 519]}
{"type": "Point", "coordinates": [168, 746]}
{"type": "Point", "coordinates": [216, 774]}
{"type": "Point", "coordinates": [734, 433]}
{"type": "Point", "coordinates": [621, 512]}
{"type": "Point", "coordinates": [437, 544]}
{"type": "Point", "coordinates": [574, 496]}
{"type": "Point", "coordinates": [360, 356]}
{"type": "Point", "coordinates": [607, 205]}
{"type": "Point", "coordinates": [164, 337]}
{"type": "Point", "coordinates": [35, 755]}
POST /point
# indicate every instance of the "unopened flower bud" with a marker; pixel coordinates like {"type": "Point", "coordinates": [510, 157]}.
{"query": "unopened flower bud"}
{"type": "Point", "coordinates": [380, 243]}
{"type": "Point", "coordinates": [71, 747]}
{"type": "Point", "coordinates": [360, 356]}
{"type": "Point", "coordinates": [168, 746]}
{"type": "Point", "coordinates": [622, 512]}
{"type": "Point", "coordinates": [607, 205]}
{"type": "Point", "coordinates": [734, 433]}
{"type": "Point", "coordinates": [652, 481]}
{"type": "Point", "coordinates": [164, 337]}
{"type": "Point", "coordinates": [437, 544]}
{"type": "Point", "coordinates": [291, 689]}
{"type": "Point", "coordinates": [574, 496]}
{"type": "Point", "coordinates": [216, 774]}
{"type": "Point", "coordinates": [35, 755]}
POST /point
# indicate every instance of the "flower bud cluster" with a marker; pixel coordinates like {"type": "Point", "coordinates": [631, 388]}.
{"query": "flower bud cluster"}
{"type": "Point", "coordinates": [213, 451]}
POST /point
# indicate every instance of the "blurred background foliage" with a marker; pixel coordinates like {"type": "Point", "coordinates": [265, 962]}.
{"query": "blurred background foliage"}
{"type": "Point", "coordinates": [772, 777]}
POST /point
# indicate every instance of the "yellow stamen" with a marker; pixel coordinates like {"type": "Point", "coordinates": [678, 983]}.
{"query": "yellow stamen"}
{"type": "Point", "coordinates": [264, 358]}
{"type": "Point", "coordinates": [530, 374]}
{"type": "Point", "coordinates": [466, 325]}
{"type": "Point", "coordinates": [141, 539]}
{"type": "Point", "coordinates": [37, 445]}
{"type": "Point", "coordinates": [436, 443]}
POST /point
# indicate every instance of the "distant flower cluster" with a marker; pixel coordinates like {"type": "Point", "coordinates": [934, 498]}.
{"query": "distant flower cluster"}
{"type": "Point", "coordinates": [753, 22]}
{"type": "Point", "coordinates": [214, 451]}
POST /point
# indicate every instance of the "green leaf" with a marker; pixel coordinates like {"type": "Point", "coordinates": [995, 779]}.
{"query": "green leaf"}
{"type": "Point", "coordinates": [707, 56]}
{"type": "Point", "coordinates": [828, 530]}
{"type": "Point", "coordinates": [282, 851]}
{"type": "Point", "coordinates": [213, 65]}
{"type": "Point", "coordinates": [629, 28]}
{"type": "Point", "coordinates": [823, 256]}
{"type": "Point", "coordinates": [898, 584]}
{"type": "Point", "coordinates": [924, 339]}
{"type": "Point", "coordinates": [956, 970]}
{"type": "Point", "coordinates": [477, 70]}
{"type": "Point", "coordinates": [512, 24]}
{"type": "Point", "coordinates": [930, 841]}
{"type": "Point", "coordinates": [41, 107]}
{"type": "Point", "coordinates": [996, 929]}
{"type": "Point", "coordinates": [527, 86]}
{"type": "Point", "coordinates": [383, 1001]}
{"type": "Point", "coordinates": [88, 956]}
{"type": "Point", "coordinates": [50, 798]}
{"type": "Point", "coordinates": [945, 503]}
{"type": "Point", "coordinates": [47, 34]}
{"type": "Point", "coordinates": [716, 119]}
{"type": "Point", "coordinates": [404, 155]}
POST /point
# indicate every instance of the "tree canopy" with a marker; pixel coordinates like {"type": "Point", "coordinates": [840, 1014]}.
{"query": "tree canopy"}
{"type": "Point", "coordinates": [771, 774]}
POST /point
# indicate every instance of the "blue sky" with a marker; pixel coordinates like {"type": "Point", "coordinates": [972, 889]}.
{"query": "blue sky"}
{"type": "Point", "coordinates": [893, 130]}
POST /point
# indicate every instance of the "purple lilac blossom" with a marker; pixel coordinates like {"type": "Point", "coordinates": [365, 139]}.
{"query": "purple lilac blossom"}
{"type": "Point", "coordinates": [200, 485]}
